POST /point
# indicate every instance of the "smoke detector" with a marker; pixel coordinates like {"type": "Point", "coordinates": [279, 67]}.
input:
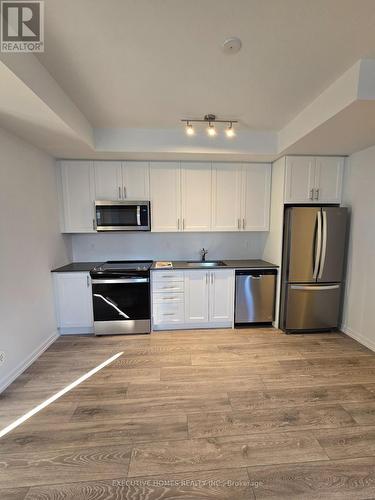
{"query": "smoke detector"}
{"type": "Point", "coordinates": [232, 45]}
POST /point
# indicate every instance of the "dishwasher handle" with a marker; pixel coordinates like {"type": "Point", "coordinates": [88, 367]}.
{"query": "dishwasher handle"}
{"type": "Point", "coordinates": [256, 273]}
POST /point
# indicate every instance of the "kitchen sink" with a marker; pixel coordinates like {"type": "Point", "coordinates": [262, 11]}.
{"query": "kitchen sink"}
{"type": "Point", "coordinates": [207, 263]}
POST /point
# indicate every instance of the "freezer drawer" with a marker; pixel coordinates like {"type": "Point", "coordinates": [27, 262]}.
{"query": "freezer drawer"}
{"type": "Point", "coordinates": [255, 296]}
{"type": "Point", "coordinates": [312, 307]}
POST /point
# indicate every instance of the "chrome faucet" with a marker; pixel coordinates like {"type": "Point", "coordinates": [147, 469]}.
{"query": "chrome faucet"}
{"type": "Point", "coordinates": [203, 253]}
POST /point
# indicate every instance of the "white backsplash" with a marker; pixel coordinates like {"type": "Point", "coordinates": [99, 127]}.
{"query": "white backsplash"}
{"type": "Point", "coordinates": [167, 246]}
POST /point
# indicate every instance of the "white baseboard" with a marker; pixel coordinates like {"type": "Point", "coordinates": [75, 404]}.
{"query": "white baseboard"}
{"type": "Point", "coordinates": [27, 362]}
{"type": "Point", "coordinates": [358, 337]}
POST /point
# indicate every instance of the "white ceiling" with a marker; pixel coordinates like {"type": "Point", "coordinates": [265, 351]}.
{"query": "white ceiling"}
{"type": "Point", "coordinates": [148, 63]}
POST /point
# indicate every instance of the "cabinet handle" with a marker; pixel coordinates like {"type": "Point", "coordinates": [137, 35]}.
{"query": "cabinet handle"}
{"type": "Point", "coordinates": [119, 193]}
{"type": "Point", "coordinates": [178, 224]}
{"type": "Point", "coordinates": [88, 281]}
{"type": "Point", "coordinates": [243, 224]}
{"type": "Point", "coordinates": [206, 278]}
{"type": "Point", "coordinates": [238, 223]}
{"type": "Point", "coordinates": [212, 278]}
{"type": "Point", "coordinates": [183, 224]}
{"type": "Point", "coordinates": [317, 193]}
{"type": "Point", "coordinates": [169, 298]}
{"type": "Point", "coordinates": [311, 197]}
{"type": "Point", "coordinates": [125, 193]}
{"type": "Point", "coordinates": [94, 224]}
{"type": "Point", "coordinates": [168, 314]}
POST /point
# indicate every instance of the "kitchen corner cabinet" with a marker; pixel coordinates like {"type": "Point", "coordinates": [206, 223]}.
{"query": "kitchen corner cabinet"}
{"type": "Point", "coordinates": [256, 196]}
{"type": "Point", "coordinates": [77, 195]}
{"type": "Point", "coordinates": [73, 299]}
{"type": "Point", "coordinates": [311, 179]}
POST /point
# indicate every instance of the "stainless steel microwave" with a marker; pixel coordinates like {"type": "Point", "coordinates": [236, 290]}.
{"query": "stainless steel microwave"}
{"type": "Point", "coordinates": [122, 215]}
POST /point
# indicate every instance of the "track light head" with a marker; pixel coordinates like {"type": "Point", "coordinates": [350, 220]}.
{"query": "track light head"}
{"type": "Point", "coordinates": [189, 129]}
{"type": "Point", "coordinates": [211, 131]}
{"type": "Point", "coordinates": [230, 130]}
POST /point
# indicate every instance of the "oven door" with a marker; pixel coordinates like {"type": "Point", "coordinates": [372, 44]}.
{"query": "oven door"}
{"type": "Point", "coordinates": [121, 306]}
{"type": "Point", "coordinates": [122, 215]}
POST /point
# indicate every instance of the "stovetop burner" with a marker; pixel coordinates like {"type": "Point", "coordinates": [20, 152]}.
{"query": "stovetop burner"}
{"type": "Point", "coordinates": [124, 265]}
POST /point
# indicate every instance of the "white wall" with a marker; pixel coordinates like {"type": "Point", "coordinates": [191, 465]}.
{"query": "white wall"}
{"type": "Point", "coordinates": [274, 239]}
{"type": "Point", "coordinates": [175, 246]}
{"type": "Point", "coordinates": [30, 246]}
{"type": "Point", "coordinates": [359, 195]}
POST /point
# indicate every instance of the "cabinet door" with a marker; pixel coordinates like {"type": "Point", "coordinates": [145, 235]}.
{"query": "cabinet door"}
{"type": "Point", "coordinates": [108, 180]}
{"type": "Point", "coordinates": [196, 196]}
{"type": "Point", "coordinates": [256, 187]}
{"type": "Point", "coordinates": [328, 179]}
{"type": "Point", "coordinates": [226, 197]}
{"type": "Point", "coordinates": [221, 296]}
{"type": "Point", "coordinates": [196, 296]}
{"type": "Point", "coordinates": [78, 190]}
{"type": "Point", "coordinates": [299, 179]}
{"type": "Point", "coordinates": [165, 196]}
{"type": "Point", "coordinates": [73, 300]}
{"type": "Point", "coordinates": [135, 180]}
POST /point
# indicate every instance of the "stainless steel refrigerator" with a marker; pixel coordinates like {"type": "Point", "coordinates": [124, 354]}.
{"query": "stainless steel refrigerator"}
{"type": "Point", "coordinates": [313, 268]}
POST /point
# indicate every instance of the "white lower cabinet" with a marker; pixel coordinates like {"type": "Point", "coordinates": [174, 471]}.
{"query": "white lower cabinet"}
{"type": "Point", "coordinates": [221, 299]}
{"type": "Point", "coordinates": [196, 297]}
{"type": "Point", "coordinates": [73, 299]}
{"type": "Point", "coordinates": [192, 299]}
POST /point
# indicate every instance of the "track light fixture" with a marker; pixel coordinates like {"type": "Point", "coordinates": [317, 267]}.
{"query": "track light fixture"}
{"type": "Point", "coordinates": [211, 129]}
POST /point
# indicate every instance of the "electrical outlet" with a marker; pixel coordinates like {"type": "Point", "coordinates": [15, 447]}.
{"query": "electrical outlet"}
{"type": "Point", "coordinates": [2, 357]}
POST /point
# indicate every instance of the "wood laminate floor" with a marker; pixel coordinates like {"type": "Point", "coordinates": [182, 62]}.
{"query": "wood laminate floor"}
{"type": "Point", "coordinates": [208, 414]}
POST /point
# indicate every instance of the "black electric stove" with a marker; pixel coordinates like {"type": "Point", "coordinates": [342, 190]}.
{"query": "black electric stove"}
{"type": "Point", "coordinates": [121, 297]}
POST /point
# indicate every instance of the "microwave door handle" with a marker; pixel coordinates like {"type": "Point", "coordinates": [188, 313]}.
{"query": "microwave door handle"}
{"type": "Point", "coordinates": [318, 245]}
{"type": "Point", "coordinates": [138, 215]}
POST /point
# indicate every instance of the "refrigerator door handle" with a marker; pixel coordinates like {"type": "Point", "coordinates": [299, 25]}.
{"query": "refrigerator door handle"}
{"type": "Point", "coordinates": [322, 287]}
{"type": "Point", "coordinates": [318, 245]}
{"type": "Point", "coordinates": [324, 245]}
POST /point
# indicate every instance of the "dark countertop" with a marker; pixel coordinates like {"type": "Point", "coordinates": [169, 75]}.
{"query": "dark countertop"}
{"type": "Point", "coordinates": [230, 264]}
{"type": "Point", "coordinates": [177, 264]}
{"type": "Point", "coordinates": [76, 267]}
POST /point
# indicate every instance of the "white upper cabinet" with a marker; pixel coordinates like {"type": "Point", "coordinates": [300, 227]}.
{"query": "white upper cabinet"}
{"type": "Point", "coordinates": [136, 180]}
{"type": "Point", "coordinates": [226, 197]}
{"type": "Point", "coordinates": [256, 186]}
{"type": "Point", "coordinates": [299, 179]}
{"type": "Point", "coordinates": [221, 297]}
{"type": "Point", "coordinates": [108, 180]}
{"type": "Point", "coordinates": [115, 180]}
{"type": "Point", "coordinates": [185, 196]}
{"type": "Point", "coordinates": [311, 179]}
{"type": "Point", "coordinates": [196, 196]}
{"type": "Point", "coordinates": [165, 196]}
{"type": "Point", "coordinates": [328, 179]}
{"type": "Point", "coordinates": [77, 196]}
{"type": "Point", "coordinates": [196, 297]}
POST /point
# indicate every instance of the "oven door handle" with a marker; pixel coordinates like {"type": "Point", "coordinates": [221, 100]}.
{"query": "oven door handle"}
{"type": "Point", "coordinates": [115, 281]}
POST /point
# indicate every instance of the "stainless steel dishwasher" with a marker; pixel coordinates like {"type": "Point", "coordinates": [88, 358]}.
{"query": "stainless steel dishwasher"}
{"type": "Point", "coordinates": [255, 296]}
